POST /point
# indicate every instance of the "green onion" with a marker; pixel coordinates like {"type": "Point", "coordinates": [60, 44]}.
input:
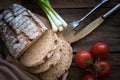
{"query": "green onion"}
{"type": "Point", "coordinates": [57, 22]}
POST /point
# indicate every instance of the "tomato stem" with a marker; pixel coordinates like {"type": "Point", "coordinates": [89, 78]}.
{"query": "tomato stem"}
{"type": "Point", "coordinates": [88, 62]}
{"type": "Point", "coordinates": [95, 65]}
{"type": "Point", "coordinates": [90, 70]}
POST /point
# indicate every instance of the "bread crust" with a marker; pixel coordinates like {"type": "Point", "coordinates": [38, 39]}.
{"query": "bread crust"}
{"type": "Point", "coordinates": [50, 62]}
{"type": "Point", "coordinates": [39, 52]}
{"type": "Point", "coordinates": [19, 29]}
{"type": "Point", "coordinates": [62, 66]}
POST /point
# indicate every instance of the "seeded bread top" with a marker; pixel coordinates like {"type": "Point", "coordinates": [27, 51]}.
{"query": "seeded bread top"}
{"type": "Point", "coordinates": [19, 28]}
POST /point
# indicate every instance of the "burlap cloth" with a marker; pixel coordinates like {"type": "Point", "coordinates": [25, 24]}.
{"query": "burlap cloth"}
{"type": "Point", "coordinates": [11, 69]}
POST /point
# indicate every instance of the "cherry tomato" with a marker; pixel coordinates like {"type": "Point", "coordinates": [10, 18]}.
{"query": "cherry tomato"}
{"type": "Point", "coordinates": [83, 59]}
{"type": "Point", "coordinates": [100, 49]}
{"type": "Point", "coordinates": [88, 76]}
{"type": "Point", "coordinates": [102, 68]}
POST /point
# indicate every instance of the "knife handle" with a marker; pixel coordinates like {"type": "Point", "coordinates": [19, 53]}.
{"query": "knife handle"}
{"type": "Point", "coordinates": [111, 11]}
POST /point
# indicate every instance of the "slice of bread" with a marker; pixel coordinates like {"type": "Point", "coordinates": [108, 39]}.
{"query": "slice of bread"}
{"type": "Point", "coordinates": [40, 51]}
{"type": "Point", "coordinates": [63, 65]}
{"type": "Point", "coordinates": [48, 63]}
{"type": "Point", "coordinates": [19, 29]}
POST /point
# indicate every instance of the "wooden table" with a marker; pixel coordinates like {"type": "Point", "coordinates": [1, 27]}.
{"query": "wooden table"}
{"type": "Point", "coordinates": [108, 32]}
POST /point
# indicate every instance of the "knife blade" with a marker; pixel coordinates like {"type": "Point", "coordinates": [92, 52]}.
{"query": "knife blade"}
{"type": "Point", "coordinates": [72, 25]}
{"type": "Point", "coordinates": [90, 27]}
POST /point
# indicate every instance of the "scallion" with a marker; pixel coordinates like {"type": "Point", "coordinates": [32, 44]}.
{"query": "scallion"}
{"type": "Point", "coordinates": [57, 22]}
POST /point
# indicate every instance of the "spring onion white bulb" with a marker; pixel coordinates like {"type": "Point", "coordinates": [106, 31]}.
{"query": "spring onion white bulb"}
{"type": "Point", "coordinates": [57, 22]}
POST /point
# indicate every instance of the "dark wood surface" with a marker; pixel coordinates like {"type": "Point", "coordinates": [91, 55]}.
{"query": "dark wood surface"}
{"type": "Point", "coordinates": [109, 31]}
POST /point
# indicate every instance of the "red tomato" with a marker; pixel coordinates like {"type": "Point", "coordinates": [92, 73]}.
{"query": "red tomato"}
{"type": "Point", "coordinates": [88, 76]}
{"type": "Point", "coordinates": [103, 68]}
{"type": "Point", "coordinates": [100, 49]}
{"type": "Point", "coordinates": [83, 59]}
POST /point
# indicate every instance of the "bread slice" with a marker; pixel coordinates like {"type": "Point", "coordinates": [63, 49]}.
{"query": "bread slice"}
{"type": "Point", "coordinates": [63, 65]}
{"type": "Point", "coordinates": [19, 29]}
{"type": "Point", "coordinates": [48, 63]}
{"type": "Point", "coordinates": [40, 51]}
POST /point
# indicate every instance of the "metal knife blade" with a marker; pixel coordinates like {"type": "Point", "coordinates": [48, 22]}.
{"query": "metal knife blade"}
{"type": "Point", "coordinates": [93, 25]}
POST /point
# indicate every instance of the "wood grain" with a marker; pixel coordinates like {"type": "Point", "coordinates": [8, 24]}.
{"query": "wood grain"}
{"type": "Point", "coordinates": [6, 3]}
{"type": "Point", "coordinates": [73, 3]}
{"type": "Point", "coordinates": [109, 31]}
{"type": "Point", "coordinates": [75, 73]}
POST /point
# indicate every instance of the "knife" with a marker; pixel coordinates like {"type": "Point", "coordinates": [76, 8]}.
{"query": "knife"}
{"type": "Point", "coordinates": [90, 27]}
{"type": "Point", "coordinates": [72, 25]}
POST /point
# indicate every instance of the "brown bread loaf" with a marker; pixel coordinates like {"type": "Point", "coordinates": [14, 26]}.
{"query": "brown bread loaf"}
{"type": "Point", "coordinates": [19, 29]}
{"type": "Point", "coordinates": [50, 62]}
{"type": "Point", "coordinates": [40, 51]}
{"type": "Point", "coordinates": [62, 66]}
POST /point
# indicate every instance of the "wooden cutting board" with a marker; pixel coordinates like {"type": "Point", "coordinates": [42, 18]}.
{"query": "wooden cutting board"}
{"type": "Point", "coordinates": [48, 25]}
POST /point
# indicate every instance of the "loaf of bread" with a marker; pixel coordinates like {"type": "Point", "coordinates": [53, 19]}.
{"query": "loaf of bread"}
{"type": "Point", "coordinates": [40, 51]}
{"type": "Point", "coordinates": [56, 71]}
{"type": "Point", "coordinates": [38, 48]}
{"type": "Point", "coordinates": [19, 29]}
{"type": "Point", "coordinates": [52, 61]}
